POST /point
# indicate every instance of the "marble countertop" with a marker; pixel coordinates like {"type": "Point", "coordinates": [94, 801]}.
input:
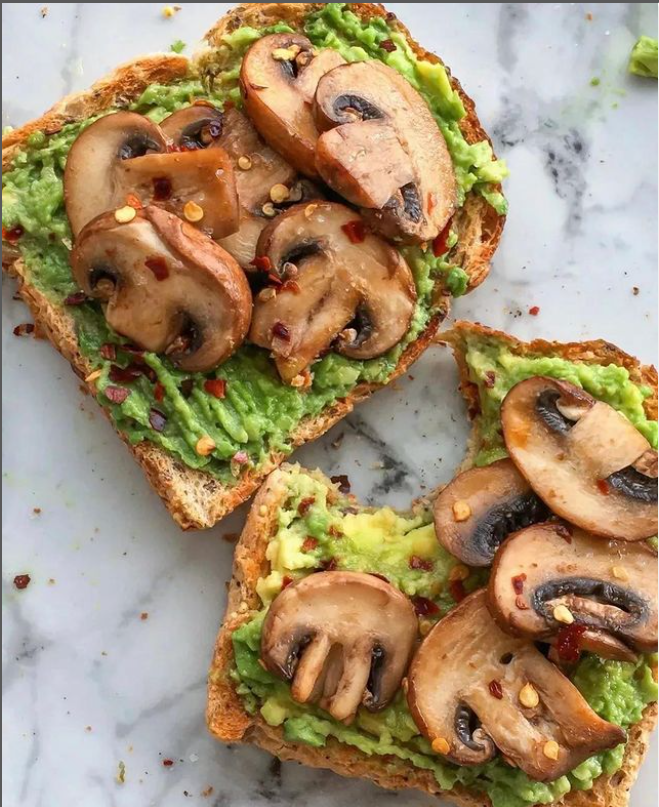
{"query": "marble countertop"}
{"type": "Point", "coordinates": [105, 653]}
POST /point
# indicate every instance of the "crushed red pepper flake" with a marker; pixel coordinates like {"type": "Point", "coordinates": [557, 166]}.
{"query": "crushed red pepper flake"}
{"type": "Point", "coordinates": [496, 690]}
{"type": "Point", "coordinates": [116, 395]}
{"type": "Point", "coordinates": [534, 310]}
{"type": "Point", "coordinates": [22, 581]}
{"type": "Point", "coordinates": [262, 263]}
{"type": "Point", "coordinates": [490, 379]}
{"type": "Point", "coordinates": [518, 583]}
{"type": "Point", "coordinates": [26, 329]}
{"type": "Point", "coordinates": [603, 487]}
{"type": "Point", "coordinates": [168, 763]}
{"type": "Point", "coordinates": [124, 375]}
{"type": "Point", "coordinates": [568, 642]}
{"type": "Point", "coordinates": [216, 387]}
{"type": "Point", "coordinates": [334, 531]}
{"type": "Point", "coordinates": [440, 244]}
{"type": "Point", "coordinates": [415, 562]}
{"type": "Point", "coordinates": [77, 298]}
{"type": "Point", "coordinates": [309, 543]}
{"type": "Point", "coordinates": [286, 581]}
{"type": "Point", "coordinates": [292, 286]}
{"type": "Point", "coordinates": [158, 265]}
{"type": "Point", "coordinates": [457, 590]}
{"type": "Point", "coordinates": [12, 234]}
{"type": "Point", "coordinates": [329, 565]}
{"type": "Point", "coordinates": [108, 351]}
{"type": "Point", "coordinates": [133, 201]}
{"type": "Point", "coordinates": [305, 504]}
{"type": "Point", "coordinates": [159, 391]}
{"type": "Point", "coordinates": [388, 45]}
{"type": "Point", "coordinates": [355, 230]}
{"type": "Point", "coordinates": [424, 607]}
{"type": "Point", "coordinates": [342, 481]}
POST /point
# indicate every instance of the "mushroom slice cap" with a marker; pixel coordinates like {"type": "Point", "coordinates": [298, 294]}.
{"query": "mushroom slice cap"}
{"type": "Point", "coordinates": [342, 639]}
{"type": "Point", "coordinates": [166, 286]}
{"type": "Point", "coordinates": [609, 587]}
{"type": "Point", "coordinates": [359, 290]}
{"type": "Point", "coordinates": [93, 176]}
{"type": "Point", "coordinates": [584, 459]}
{"type": "Point", "coordinates": [477, 510]}
{"type": "Point", "coordinates": [198, 126]}
{"type": "Point", "coordinates": [278, 79]}
{"type": "Point", "coordinates": [468, 672]}
{"type": "Point", "coordinates": [390, 154]}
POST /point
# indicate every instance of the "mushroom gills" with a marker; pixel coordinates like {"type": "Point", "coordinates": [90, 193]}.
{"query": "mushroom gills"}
{"type": "Point", "coordinates": [475, 512]}
{"type": "Point", "coordinates": [166, 287]}
{"type": "Point", "coordinates": [583, 458]}
{"type": "Point", "coordinates": [546, 577]}
{"type": "Point", "coordinates": [464, 688]}
{"type": "Point", "coordinates": [198, 126]}
{"type": "Point", "coordinates": [341, 639]}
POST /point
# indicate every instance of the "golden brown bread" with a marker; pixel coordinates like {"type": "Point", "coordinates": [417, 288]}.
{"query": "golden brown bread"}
{"type": "Point", "coordinates": [226, 717]}
{"type": "Point", "coordinates": [195, 499]}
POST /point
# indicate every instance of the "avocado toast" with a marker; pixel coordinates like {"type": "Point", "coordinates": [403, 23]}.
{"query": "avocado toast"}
{"type": "Point", "coordinates": [301, 522]}
{"type": "Point", "coordinates": [206, 439]}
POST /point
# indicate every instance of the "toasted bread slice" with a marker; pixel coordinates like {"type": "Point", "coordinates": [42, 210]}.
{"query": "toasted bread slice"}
{"type": "Point", "coordinates": [197, 500]}
{"type": "Point", "coordinates": [228, 720]}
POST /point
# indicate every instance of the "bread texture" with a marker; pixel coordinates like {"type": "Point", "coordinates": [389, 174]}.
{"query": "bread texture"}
{"type": "Point", "coordinates": [195, 499]}
{"type": "Point", "coordinates": [226, 717]}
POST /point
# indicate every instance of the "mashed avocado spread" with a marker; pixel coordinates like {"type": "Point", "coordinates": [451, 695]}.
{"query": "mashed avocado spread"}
{"type": "Point", "coordinates": [319, 528]}
{"type": "Point", "coordinates": [259, 413]}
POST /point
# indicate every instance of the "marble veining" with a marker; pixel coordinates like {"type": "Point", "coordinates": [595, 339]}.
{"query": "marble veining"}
{"type": "Point", "coordinates": [105, 653]}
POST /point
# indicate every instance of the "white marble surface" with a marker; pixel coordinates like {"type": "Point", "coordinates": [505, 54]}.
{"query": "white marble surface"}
{"type": "Point", "coordinates": [87, 682]}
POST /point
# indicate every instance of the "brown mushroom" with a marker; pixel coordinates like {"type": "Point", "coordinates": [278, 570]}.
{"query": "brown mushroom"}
{"type": "Point", "coordinates": [124, 155]}
{"type": "Point", "coordinates": [342, 639]}
{"type": "Point", "coordinates": [480, 507]}
{"type": "Point", "coordinates": [584, 459]}
{"type": "Point", "coordinates": [350, 288]}
{"type": "Point", "coordinates": [166, 286]}
{"type": "Point", "coordinates": [547, 578]}
{"type": "Point", "coordinates": [384, 151]}
{"type": "Point", "coordinates": [198, 126]}
{"type": "Point", "coordinates": [468, 690]}
{"type": "Point", "coordinates": [278, 79]}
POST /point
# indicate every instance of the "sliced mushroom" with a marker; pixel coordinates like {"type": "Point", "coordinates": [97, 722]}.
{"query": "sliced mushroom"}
{"type": "Point", "coordinates": [198, 126]}
{"type": "Point", "coordinates": [480, 507]}
{"type": "Point", "coordinates": [342, 639]}
{"type": "Point", "coordinates": [124, 154]}
{"type": "Point", "coordinates": [348, 284]}
{"type": "Point", "coordinates": [278, 78]}
{"type": "Point", "coordinates": [166, 286]}
{"type": "Point", "coordinates": [465, 693]}
{"type": "Point", "coordinates": [584, 459]}
{"type": "Point", "coordinates": [387, 154]}
{"type": "Point", "coordinates": [546, 577]}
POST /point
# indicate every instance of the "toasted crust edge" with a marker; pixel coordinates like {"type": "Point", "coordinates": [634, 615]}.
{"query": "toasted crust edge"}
{"type": "Point", "coordinates": [195, 499]}
{"type": "Point", "coordinates": [226, 717]}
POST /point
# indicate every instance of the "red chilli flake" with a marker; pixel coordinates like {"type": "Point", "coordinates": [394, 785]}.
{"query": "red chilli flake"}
{"type": "Point", "coordinates": [76, 299]}
{"type": "Point", "coordinates": [240, 458]}
{"type": "Point", "coordinates": [329, 565]}
{"type": "Point", "coordinates": [124, 375]}
{"type": "Point", "coordinates": [309, 544]}
{"type": "Point", "coordinates": [22, 581]}
{"type": "Point", "coordinates": [286, 581]}
{"type": "Point", "coordinates": [440, 244]}
{"type": "Point", "coordinates": [25, 329]}
{"type": "Point", "coordinates": [216, 387]}
{"type": "Point", "coordinates": [157, 420]}
{"type": "Point", "coordinates": [388, 45]}
{"type": "Point", "coordinates": [424, 606]}
{"type": "Point", "coordinates": [133, 201]}
{"type": "Point", "coordinates": [108, 351]}
{"type": "Point", "coordinates": [603, 487]}
{"type": "Point", "coordinates": [490, 379]}
{"type": "Point", "coordinates": [342, 481]}
{"type": "Point", "coordinates": [281, 332]}
{"type": "Point", "coordinates": [162, 189]}
{"type": "Point", "coordinates": [116, 395]}
{"type": "Point", "coordinates": [457, 590]}
{"type": "Point", "coordinates": [415, 562]}
{"type": "Point", "coordinates": [13, 234]}
{"type": "Point", "coordinates": [291, 285]}
{"type": "Point", "coordinates": [496, 690]}
{"type": "Point", "coordinates": [168, 763]}
{"type": "Point", "coordinates": [568, 642]}
{"type": "Point", "coordinates": [159, 392]}
{"type": "Point", "coordinates": [534, 311]}
{"type": "Point", "coordinates": [158, 266]}
{"type": "Point", "coordinates": [335, 532]}
{"type": "Point", "coordinates": [304, 505]}
{"type": "Point", "coordinates": [262, 263]}
{"type": "Point", "coordinates": [355, 230]}
{"type": "Point", "coordinates": [518, 583]}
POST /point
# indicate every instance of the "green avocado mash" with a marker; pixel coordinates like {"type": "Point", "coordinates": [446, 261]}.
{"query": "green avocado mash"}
{"type": "Point", "coordinates": [495, 369]}
{"type": "Point", "coordinates": [318, 527]}
{"type": "Point", "coordinates": [259, 413]}
{"type": "Point", "coordinates": [643, 59]}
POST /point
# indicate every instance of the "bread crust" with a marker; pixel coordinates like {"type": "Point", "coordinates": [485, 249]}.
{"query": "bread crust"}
{"type": "Point", "coordinates": [195, 499]}
{"type": "Point", "coordinates": [227, 719]}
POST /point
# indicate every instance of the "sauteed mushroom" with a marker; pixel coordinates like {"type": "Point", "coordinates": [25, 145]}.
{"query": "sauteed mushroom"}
{"type": "Point", "coordinates": [166, 286]}
{"type": "Point", "coordinates": [342, 639]}
{"type": "Point", "coordinates": [467, 691]}
{"type": "Point", "coordinates": [584, 459]}
{"type": "Point", "coordinates": [546, 577]}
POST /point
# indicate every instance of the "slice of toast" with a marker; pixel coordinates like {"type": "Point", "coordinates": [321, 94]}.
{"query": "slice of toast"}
{"type": "Point", "coordinates": [228, 720]}
{"type": "Point", "coordinates": [195, 499]}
